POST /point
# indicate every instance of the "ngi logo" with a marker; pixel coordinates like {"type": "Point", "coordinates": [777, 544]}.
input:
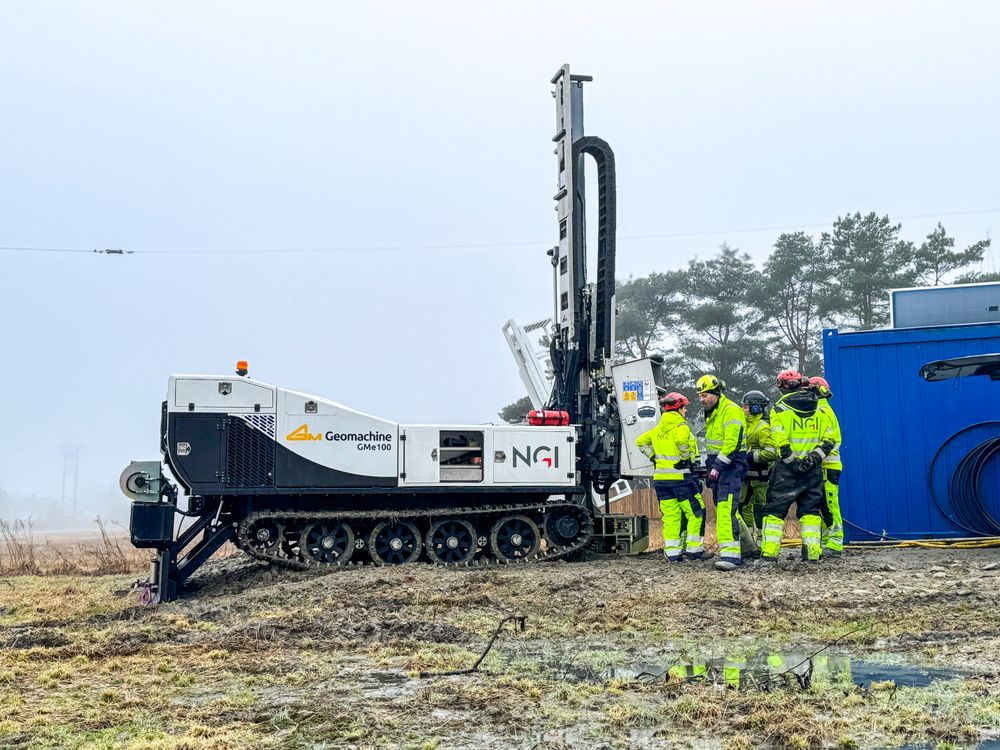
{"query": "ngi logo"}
{"type": "Point", "coordinates": [543, 454]}
{"type": "Point", "coordinates": [808, 424]}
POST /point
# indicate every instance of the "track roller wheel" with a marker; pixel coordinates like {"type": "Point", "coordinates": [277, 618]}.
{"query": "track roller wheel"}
{"type": "Point", "coordinates": [266, 536]}
{"type": "Point", "coordinates": [394, 543]}
{"type": "Point", "coordinates": [327, 543]}
{"type": "Point", "coordinates": [451, 541]}
{"type": "Point", "coordinates": [514, 538]}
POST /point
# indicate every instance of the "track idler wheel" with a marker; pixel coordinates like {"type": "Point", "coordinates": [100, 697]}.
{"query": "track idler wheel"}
{"type": "Point", "coordinates": [329, 543]}
{"type": "Point", "coordinates": [562, 527]}
{"type": "Point", "coordinates": [394, 543]}
{"type": "Point", "coordinates": [514, 538]}
{"type": "Point", "coordinates": [451, 541]}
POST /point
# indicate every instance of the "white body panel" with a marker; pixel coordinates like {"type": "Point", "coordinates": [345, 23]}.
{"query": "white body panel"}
{"type": "Point", "coordinates": [335, 436]}
{"type": "Point", "coordinates": [495, 455]}
{"type": "Point", "coordinates": [208, 394]}
{"type": "Point", "coordinates": [421, 463]}
{"type": "Point", "coordinates": [534, 455]}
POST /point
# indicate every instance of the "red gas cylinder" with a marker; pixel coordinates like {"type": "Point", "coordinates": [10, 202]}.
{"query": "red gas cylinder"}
{"type": "Point", "coordinates": [548, 417]}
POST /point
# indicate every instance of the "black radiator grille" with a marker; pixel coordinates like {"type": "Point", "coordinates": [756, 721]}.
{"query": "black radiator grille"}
{"type": "Point", "coordinates": [250, 452]}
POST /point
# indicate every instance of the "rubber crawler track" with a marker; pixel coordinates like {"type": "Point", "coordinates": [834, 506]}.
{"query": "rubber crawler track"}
{"type": "Point", "coordinates": [551, 551]}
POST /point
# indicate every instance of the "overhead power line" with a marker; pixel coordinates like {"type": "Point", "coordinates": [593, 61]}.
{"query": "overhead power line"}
{"type": "Point", "coordinates": [466, 246]}
{"type": "Point", "coordinates": [105, 251]}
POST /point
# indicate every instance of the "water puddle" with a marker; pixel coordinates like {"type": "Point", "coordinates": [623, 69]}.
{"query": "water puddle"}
{"type": "Point", "coordinates": [383, 684]}
{"type": "Point", "coordinates": [763, 670]}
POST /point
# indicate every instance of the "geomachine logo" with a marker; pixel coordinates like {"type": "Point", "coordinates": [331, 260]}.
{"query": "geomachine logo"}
{"type": "Point", "coordinates": [302, 433]}
{"type": "Point", "coordinates": [372, 436]}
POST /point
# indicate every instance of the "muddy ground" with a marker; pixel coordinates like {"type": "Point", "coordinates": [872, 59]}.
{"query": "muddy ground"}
{"type": "Point", "coordinates": [609, 656]}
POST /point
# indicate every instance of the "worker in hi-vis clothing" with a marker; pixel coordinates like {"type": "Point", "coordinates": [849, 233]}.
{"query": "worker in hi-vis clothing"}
{"type": "Point", "coordinates": [760, 456]}
{"type": "Point", "coordinates": [803, 437]}
{"type": "Point", "coordinates": [725, 434]}
{"type": "Point", "coordinates": [672, 449]}
{"type": "Point", "coordinates": [833, 521]}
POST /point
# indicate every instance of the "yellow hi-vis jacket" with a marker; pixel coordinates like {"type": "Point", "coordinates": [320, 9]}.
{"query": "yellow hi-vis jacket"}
{"type": "Point", "coordinates": [725, 430]}
{"type": "Point", "coordinates": [798, 423]}
{"type": "Point", "coordinates": [760, 447]}
{"type": "Point", "coordinates": [833, 460]}
{"type": "Point", "coordinates": [667, 443]}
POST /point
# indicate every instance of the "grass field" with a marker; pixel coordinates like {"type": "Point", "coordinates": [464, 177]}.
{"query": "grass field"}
{"type": "Point", "coordinates": [254, 657]}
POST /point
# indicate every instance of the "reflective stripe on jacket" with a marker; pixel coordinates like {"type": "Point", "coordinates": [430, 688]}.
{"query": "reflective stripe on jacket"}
{"type": "Point", "coordinates": [667, 443]}
{"type": "Point", "coordinates": [797, 422]}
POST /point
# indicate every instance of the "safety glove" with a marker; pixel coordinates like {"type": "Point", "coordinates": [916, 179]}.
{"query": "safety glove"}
{"type": "Point", "coordinates": [822, 450]}
{"type": "Point", "coordinates": [807, 463]}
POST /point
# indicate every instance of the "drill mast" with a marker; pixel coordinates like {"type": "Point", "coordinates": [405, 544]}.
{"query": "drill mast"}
{"type": "Point", "coordinates": [583, 345]}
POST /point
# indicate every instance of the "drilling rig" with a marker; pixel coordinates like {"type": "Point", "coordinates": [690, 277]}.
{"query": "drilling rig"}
{"type": "Point", "coordinates": [302, 481]}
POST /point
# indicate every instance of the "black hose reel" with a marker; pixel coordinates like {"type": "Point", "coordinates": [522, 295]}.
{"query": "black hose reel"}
{"type": "Point", "coordinates": [965, 495]}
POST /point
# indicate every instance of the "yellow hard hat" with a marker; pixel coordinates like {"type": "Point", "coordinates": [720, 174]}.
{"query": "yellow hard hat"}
{"type": "Point", "coordinates": [708, 383]}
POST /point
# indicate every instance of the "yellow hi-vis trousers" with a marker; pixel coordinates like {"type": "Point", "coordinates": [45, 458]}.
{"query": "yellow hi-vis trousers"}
{"type": "Point", "coordinates": [833, 521]}
{"type": "Point", "coordinates": [677, 498]}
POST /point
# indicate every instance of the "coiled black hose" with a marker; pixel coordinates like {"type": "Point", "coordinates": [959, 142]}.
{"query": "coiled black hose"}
{"type": "Point", "coordinates": [965, 495]}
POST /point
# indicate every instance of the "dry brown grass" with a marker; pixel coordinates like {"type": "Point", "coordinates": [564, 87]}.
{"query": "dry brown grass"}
{"type": "Point", "coordinates": [106, 553]}
{"type": "Point", "coordinates": [18, 555]}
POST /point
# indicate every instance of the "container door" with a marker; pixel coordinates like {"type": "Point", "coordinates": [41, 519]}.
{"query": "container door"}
{"type": "Point", "coordinates": [421, 449]}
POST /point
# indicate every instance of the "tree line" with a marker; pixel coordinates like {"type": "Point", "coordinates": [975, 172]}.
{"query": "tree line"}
{"type": "Point", "coordinates": [745, 322]}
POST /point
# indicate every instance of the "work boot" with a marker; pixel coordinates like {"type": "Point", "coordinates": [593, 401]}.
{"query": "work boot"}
{"type": "Point", "coordinates": [827, 552]}
{"type": "Point", "coordinates": [670, 559]}
{"type": "Point", "coordinates": [728, 565]}
{"type": "Point", "coordinates": [805, 556]}
{"type": "Point", "coordinates": [766, 563]}
{"type": "Point", "coordinates": [703, 555]}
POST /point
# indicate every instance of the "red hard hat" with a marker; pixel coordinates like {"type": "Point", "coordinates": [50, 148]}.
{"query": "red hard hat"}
{"type": "Point", "coordinates": [791, 379]}
{"type": "Point", "coordinates": [821, 386]}
{"type": "Point", "coordinates": [673, 401]}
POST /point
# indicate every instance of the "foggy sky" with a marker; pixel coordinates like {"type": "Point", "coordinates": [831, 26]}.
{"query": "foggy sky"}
{"type": "Point", "coordinates": [189, 127]}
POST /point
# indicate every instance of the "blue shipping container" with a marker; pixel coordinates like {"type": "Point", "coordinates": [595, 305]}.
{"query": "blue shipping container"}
{"type": "Point", "coordinates": [894, 423]}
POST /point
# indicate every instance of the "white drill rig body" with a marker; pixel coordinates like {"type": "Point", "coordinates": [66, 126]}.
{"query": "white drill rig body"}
{"type": "Point", "coordinates": [304, 481]}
